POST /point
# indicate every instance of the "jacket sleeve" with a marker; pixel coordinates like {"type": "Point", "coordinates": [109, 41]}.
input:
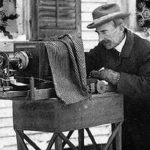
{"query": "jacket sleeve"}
{"type": "Point", "coordinates": [136, 85]}
{"type": "Point", "coordinates": [93, 59]}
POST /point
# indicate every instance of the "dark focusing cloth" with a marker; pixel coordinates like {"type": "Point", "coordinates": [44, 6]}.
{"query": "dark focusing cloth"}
{"type": "Point", "coordinates": [67, 63]}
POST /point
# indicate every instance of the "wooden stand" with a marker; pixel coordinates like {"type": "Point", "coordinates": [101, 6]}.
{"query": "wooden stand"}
{"type": "Point", "coordinates": [52, 115]}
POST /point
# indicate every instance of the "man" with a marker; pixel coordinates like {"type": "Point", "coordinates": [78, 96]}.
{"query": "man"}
{"type": "Point", "coordinates": [125, 59]}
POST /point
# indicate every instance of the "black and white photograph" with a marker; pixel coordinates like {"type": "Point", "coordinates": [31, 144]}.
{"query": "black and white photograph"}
{"type": "Point", "coordinates": [74, 74]}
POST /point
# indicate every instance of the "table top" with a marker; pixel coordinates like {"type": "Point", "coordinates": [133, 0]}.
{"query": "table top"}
{"type": "Point", "coordinates": [54, 116]}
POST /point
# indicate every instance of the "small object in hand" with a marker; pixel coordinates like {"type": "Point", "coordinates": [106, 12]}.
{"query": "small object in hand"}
{"type": "Point", "coordinates": [91, 82]}
{"type": "Point", "coordinates": [108, 75]}
{"type": "Point", "coordinates": [96, 86]}
{"type": "Point", "coordinates": [102, 87]}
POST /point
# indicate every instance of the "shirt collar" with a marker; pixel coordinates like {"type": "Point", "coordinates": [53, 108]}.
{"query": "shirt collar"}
{"type": "Point", "coordinates": [120, 46]}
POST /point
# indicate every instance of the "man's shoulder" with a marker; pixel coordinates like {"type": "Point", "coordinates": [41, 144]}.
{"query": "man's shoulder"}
{"type": "Point", "coordinates": [141, 41]}
{"type": "Point", "coordinates": [137, 36]}
{"type": "Point", "coordinates": [141, 46]}
{"type": "Point", "coordinates": [138, 39]}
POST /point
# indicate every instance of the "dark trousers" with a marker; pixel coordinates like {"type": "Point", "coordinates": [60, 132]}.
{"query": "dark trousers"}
{"type": "Point", "coordinates": [136, 136]}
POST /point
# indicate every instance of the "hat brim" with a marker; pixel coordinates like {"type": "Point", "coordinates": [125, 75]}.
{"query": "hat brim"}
{"type": "Point", "coordinates": [108, 18]}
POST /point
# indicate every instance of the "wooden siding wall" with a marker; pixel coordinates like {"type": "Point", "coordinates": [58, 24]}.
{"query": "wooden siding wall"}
{"type": "Point", "coordinates": [7, 134]}
{"type": "Point", "coordinates": [90, 38]}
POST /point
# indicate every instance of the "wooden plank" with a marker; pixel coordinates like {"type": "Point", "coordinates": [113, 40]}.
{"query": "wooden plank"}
{"type": "Point", "coordinates": [66, 21]}
{"type": "Point", "coordinates": [47, 16]}
{"type": "Point", "coordinates": [8, 141]}
{"type": "Point", "coordinates": [6, 112]}
{"type": "Point", "coordinates": [54, 1]}
{"type": "Point", "coordinates": [90, 44]}
{"type": "Point", "coordinates": [6, 122]}
{"type": "Point", "coordinates": [68, 136]}
{"type": "Point", "coordinates": [47, 7]}
{"type": "Point", "coordinates": [58, 143]}
{"type": "Point", "coordinates": [100, 110]}
{"type": "Point", "coordinates": [68, 141]}
{"type": "Point", "coordinates": [63, 4]}
{"type": "Point", "coordinates": [34, 20]}
{"type": "Point", "coordinates": [10, 94]}
{"type": "Point", "coordinates": [89, 7]}
{"type": "Point", "coordinates": [47, 2]}
{"type": "Point", "coordinates": [26, 95]}
{"type": "Point", "coordinates": [6, 132]}
{"type": "Point", "coordinates": [65, 15]}
{"type": "Point", "coordinates": [67, 1]}
{"type": "Point", "coordinates": [66, 24]}
{"type": "Point", "coordinates": [55, 116]}
{"type": "Point", "coordinates": [84, 27]}
{"type": "Point", "coordinates": [87, 17]}
{"type": "Point", "coordinates": [20, 142]}
{"type": "Point", "coordinates": [12, 147]}
{"type": "Point", "coordinates": [47, 19]}
{"type": "Point", "coordinates": [49, 10]}
{"type": "Point", "coordinates": [81, 139]}
{"type": "Point", "coordinates": [119, 139]}
{"type": "Point", "coordinates": [94, 1]}
{"type": "Point", "coordinates": [78, 16]}
{"type": "Point", "coordinates": [46, 24]}
{"type": "Point", "coordinates": [87, 36]}
{"type": "Point", "coordinates": [5, 104]}
{"type": "Point", "coordinates": [52, 140]}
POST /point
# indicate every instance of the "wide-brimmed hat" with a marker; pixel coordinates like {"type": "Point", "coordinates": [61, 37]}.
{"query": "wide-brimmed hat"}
{"type": "Point", "coordinates": [106, 13]}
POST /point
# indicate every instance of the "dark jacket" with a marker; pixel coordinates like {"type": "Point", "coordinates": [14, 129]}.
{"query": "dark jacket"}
{"type": "Point", "coordinates": [134, 67]}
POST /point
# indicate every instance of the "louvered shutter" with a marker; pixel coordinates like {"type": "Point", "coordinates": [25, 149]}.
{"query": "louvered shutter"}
{"type": "Point", "coordinates": [50, 18]}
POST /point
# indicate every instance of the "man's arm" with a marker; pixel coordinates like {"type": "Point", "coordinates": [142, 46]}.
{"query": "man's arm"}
{"type": "Point", "coordinates": [93, 59]}
{"type": "Point", "coordinates": [132, 85]}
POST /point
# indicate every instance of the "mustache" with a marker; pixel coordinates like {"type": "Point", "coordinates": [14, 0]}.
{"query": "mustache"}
{"type": "Point", "coordinates": [106, 42]}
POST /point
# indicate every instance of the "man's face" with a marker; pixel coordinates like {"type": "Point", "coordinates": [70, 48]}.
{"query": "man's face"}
{"type": "Point", "coordinates": [109, 35]}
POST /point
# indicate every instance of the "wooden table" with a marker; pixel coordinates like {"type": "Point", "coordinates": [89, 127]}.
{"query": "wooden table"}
{"type": "Point", "coordinates": [53, 116]}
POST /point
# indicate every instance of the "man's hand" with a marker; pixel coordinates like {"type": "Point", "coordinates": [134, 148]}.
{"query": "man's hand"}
{"type": "Point", "coordinates": [107, 75]}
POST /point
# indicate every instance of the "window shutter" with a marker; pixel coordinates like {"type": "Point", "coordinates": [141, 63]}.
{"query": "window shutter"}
{"type": "Point", "coordinates": [50, 18]}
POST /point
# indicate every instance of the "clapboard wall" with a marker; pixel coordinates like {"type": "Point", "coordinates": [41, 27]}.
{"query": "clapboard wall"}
{"type": "Point", "coordinates": [7, 134]}
{"type": "Point", "coordinates": [89, 37]}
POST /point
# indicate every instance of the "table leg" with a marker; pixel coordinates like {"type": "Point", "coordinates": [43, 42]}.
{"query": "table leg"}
{"type": "Point", "coordinates": [81, 139]}
{"type": "Point", "coordinates": [119, 139]}
{"type": "Point", "coordinates": [113, 136]}
{"type": "Point", "coordinates": [20, 142]}
{"type": "Point", "coordinates": [58, 143]}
